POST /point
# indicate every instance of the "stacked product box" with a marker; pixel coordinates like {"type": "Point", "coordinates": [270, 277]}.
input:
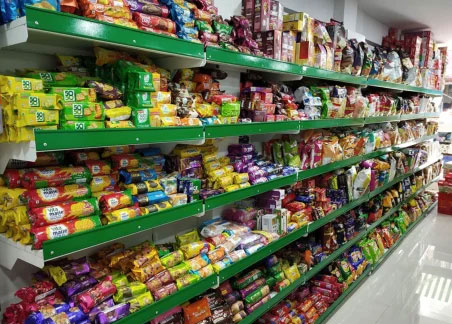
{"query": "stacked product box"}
{"type": "Point", "coordinates": [268, 25]}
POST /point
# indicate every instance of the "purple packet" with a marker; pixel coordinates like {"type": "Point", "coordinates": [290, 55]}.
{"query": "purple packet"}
{"type": "Point", "coordinates": [73, 315]}
{"type": "Point", "coordinates": [239, 149]}
{"type": "Point", "coordinates": [257, 174]}
{"type": "Point", "coordinates": [46, 312]}
{"type": "Point", "coordinates": [72, 270]}
{"type": "Point", "coordinates": [112, 314]}
{"type": "Point", "coordinates": [252, 287]}
{"type": "Point", "coordinates": [258, 180]}
{"type": "Point", "coordinates": [249, 240]}
{"type": "Point", "coordinates": [99, 308]}
{"type": "Point", "coordinates": [206, 193]}
{"type": "Point", "coordinates": [75, 286]}
{"type": "Point", "coordinates": [271, 261]}
{"type": "Point", "coordinates": [253, 168]}
{"type": "Point", "coordinates": [232, 297]}
{"type": "Point", "coordinates": [239, 166]}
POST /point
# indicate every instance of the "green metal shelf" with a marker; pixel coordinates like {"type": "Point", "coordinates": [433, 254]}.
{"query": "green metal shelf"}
{"type": "Point", "coordinates": [316, 73]}
{"type": "Point", "coordinates": [147, 313]}
{"type": "Point", "coordinates": [271, 248]}
{"type": "Point", "coordinates": [52, 140]}
{"type": "Point", "coordinates": [402, 87]}
{"type": "Point", "coordinates": [382, 119]}
{"type": "Point", "coordinates": [329, 123]}
{"type": "Point", "coordinates": [73, 243]}
{"type": "Point", "coordinates": [62, 24]}
{"type": "Point", "coordinates": [233, 196]}
{"type": "Point", "coordinates": [217, 131]}
{"type": "Point", "coordinates": [223, 56]}
{"type": "Point", "coordinates": [334, 306]}
{"type": "Point", "coordinates": [432, 115]}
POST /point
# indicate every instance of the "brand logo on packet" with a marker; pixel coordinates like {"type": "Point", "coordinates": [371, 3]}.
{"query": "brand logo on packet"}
{"type": "Point", "coordinates": [77, 110]}
{"type": "Point", "coordinates": [46, 173]}
{"type": "Point", "coordinates": [113, 202]}
{"type": "Point", "coordinates": [142, 115]}
{"type": "Point", "coordinates": [26, 85]}
{"type": "Point", "coordinates": [96, 169]}
{"type": "Point", "coordinates": [133, 5]}
{"type": "Point", "coordinates": [54, 213]}
{"type": "Point", "coordinates": [48, 194]}
{"type": "Point", "coordinates": [56, 231]}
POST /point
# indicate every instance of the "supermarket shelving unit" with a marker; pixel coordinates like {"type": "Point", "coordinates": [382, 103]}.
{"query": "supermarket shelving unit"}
{"type": "Point", "coordinates": [48, 32]}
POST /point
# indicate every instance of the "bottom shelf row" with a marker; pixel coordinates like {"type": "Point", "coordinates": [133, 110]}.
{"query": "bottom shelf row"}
{"type": "Point", "coordinates": [313, 273]}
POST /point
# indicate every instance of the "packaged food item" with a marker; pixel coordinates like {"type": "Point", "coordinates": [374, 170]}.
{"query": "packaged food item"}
{"type": "Point", "coordinates": [248, 278]}
{"type": "Point", "coordinates": [65, 211]}
{"type": "Point", "coordinates": [104, 90]}
{"type": "Point", "coordinates": [140, 301]}
{"type": "Point", "coordinates": [118, 114]}
{"type": "Point", "coordinates": [73, 315]}
{"type": "Point", "coordinates": [36, 117]}
{"type": "Point", "coordinates": [165, 291]}
{"type": "Point", "coordinates": [51, 195]}
{"type": "Point", "coordinates": [138, 176]}
{"type": "Point", "coordinates": [119, 124]}
{"type": "Point", "coordinates": [77, 285]}
{"type": "Point", "coordinates": [115, 200]}
{"type": "Point", "coordinates": [83, 111]}
{"type": "Point", "coordinates": [113, 314]}
{"type": "Point", "coordinates": [46, 311]}
{"type": "Point", "coordinates": [123, 214]}
{"type": "Point", "coordinates": [102, 183]}
{"type": "Point", "coordinates": [172, 259]}
{"type": "Point", "coordinates": [81, 125]}
{"type": "Point", "coordinates": [101, 307]}
{"type": "Point", "coordinates": [187, 279]}
{"type": "Point", "coordinates": [193, 249]}
{"type": "Point", "coordinates": [197, 311]}
{"type": "Point", "coordinates": [150, 198]}
{"type": "Point", "coordinates": [33, 100]}
{"type": "Point", "coordinates": [51, 232]}
{"type": "Point", "coordinates": [130, 290]}
{"type": "Point", "coordinates": [178, 270]}
{"type": "Point", "coordinates": [148, 270]}
{"type": "Point", "coordinates": [159, 280]}
{"type": "Point", "coordinates": [9, 85]}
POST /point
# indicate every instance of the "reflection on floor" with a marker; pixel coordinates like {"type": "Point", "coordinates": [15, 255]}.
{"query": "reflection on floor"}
{"type": "Point", "coordinates": [413, 286]}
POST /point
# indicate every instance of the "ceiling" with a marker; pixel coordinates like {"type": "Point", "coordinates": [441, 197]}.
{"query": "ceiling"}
{"type": "Point", "coordinates": [413, 15]}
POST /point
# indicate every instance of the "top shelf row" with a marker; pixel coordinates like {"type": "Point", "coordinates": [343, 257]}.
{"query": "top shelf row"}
{"type": "Point", "coordinates": [40, 30]}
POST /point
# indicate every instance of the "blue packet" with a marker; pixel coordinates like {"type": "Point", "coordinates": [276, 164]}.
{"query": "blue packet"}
{"type": "Point", "coordinates": [177, 11]}
{"type": "Point", "coordinates": [189, 31]}
{"type": "Point", "coordinates": [150, 198]}
{"type": "Point", "coordinates": [49, 4]}
{"type": "Point", "coordinates": [137, 176]}
{"type": "Point", "coordinates": [150, 151]}
{"type": "Point", "coordinates": [184, 21]}
{"type": "Point", "coordinates": [50, 310]}
{"type": "Point", "coordinates": [11, 10]}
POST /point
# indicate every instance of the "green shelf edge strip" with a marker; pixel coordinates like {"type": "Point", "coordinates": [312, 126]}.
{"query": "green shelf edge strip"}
{"type": "Point", "coordinates": [85, 28]}
{"type": "Point", "coordinates": [53, 140]}
{"type": "Point", "coordinates": [402, 87]}
{"type": "Point", "coordinates": [147, 313]}
{"type": "Point", "coordinates": [73, 243]}
{"type": "Point", "coordinates": [217, 131]}
{"type": "Point", "coordinates": [316, 73]}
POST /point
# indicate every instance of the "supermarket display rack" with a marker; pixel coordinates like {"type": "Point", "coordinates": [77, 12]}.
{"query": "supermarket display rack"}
{"type": "Point", "coordinates": [80, 241]}
{"type": "Point", "coordinates": [149, 312]}
{"type": "Point", "coordinates": [41, 29]}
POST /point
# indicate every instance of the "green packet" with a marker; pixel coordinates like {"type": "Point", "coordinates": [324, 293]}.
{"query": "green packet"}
{"type": "Point", "coordinates": [141, 81]}
{"type": "Point", "coordinates": [204, 26]}
{"type": "Point", "coordinates": [140, 117]}
{"type": "Point", "coordinates": [81, 125]}
{"type": "Point", "coordinates": [75, 94]}
{"type": "Point", "coordinates": [139, 99]}
{"type": "Point", "coordinates": [83, 111]}
{"type": "Point", "coordinates": [62, 79]}
{"type": "Point", "coordinates": [230, 109]}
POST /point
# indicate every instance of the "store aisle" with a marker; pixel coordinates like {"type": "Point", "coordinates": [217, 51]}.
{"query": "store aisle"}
{"type": "Point", "coordinates": [414, 286]}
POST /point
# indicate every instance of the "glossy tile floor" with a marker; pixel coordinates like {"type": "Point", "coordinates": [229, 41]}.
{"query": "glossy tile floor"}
{"type": "Point", "coordinates": [413, 286]}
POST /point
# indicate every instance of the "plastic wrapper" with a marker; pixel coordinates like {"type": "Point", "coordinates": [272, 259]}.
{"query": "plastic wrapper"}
{"type": "Point", "coordinates": [118, 114]}
{"type": "Point", "coordinates": [103, 183]}
{"type": "Point", "coordinates": [81, 125]}
{"type": "Point", "coordinates": [187, 279]}
{"type": "Point", "coordinates": [50, 232]}
{"type": "Point", "coordinates": [140, 301]}
{"type": "Point", "coordinates": [123, 214]}
{"type": "Point", "coordinates": [47, 196]}
{"type": "Point", "coordinates": [165, 291]}
{"type": "Point", "coordinates": [161, 279]}
{"type": "Point", "coordinates": [197, 311]}
{"type": "Point", "coordinates": [248, 278]}
{"type": "Point", "coordinates": [103, 90]}
{"type": "Point", "coordinates": [172, 259]}
{"type": "Point", "coordinates": [160, 23]}
{"type": "Point", "coordinates": [73, 315]}
{"type": "Point", "coordinates": [130, 290]}
{"type": "Point", "coordinates": [115, 200]}
{"type": "Point", "coordinates": [77, 285]}
{"type": "Point", "coordinates": [113, 314]}
{"type": "Point", "coordinates": [54, 177]}
{"type": "Point", "coordinates": [62, 212]}
{"type": "Point", "coordinates": [46, 311]}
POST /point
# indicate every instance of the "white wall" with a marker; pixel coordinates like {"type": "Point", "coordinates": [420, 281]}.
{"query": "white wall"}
{"type": "Point", "coordinates": [370, 27]}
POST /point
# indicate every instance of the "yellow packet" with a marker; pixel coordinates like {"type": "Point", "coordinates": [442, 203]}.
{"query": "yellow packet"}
{"type": "Point", "coordinates": [170, 121]}
{"type": "Point", "coordinates": [9, 84]}
{"type": "Point", "coordinates": [160, 97]}
{"type": "Point", "coordinates": [29, 100]}
{"type": "Point", "coordinates": [292, 273]}
{"type": "Point", "coordinates": [118, 114]}
{"type": "Point", "coordinates": [165, 110]}
{"type": "Point", "coordinates": [119, 124]}
{"type": "Point", "coordinates": [231, 188]}
{"type": "Point", "coordinates": [37, 117]}
{"type": "Point", "coordinates": [211, 166]}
